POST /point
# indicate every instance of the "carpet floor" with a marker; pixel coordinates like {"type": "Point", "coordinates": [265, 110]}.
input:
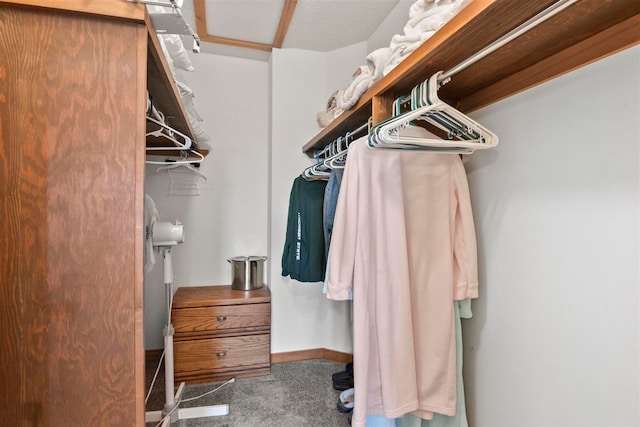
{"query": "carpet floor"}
{"type": "Point", "coordinates": [295, 394]}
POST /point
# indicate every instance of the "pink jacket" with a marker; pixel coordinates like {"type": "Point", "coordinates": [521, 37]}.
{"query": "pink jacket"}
{"type": "Point", "coordinates": [404, 240]}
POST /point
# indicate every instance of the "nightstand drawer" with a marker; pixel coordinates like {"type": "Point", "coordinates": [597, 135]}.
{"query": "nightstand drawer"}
{"type": "Point", "coordinates": [190, 322]}
{"type": "Point", "coordinates": [221, 333]}
{"type": "Point", "coordinates": [211, 355]}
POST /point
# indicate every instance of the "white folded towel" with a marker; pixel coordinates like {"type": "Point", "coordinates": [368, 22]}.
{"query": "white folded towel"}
{"type": "Point", "coordinates": [376, 61]}
{"type": "Point", "coordinates": [405, 48]}
{"type": "Point", "coordinates": [426, 17]}
{"type": "Point", "coordinates": [332, 111]}
{"type": "Point", "coordinates": [433, 18]}
{"type": "Point", "coordinates": [362, 80]}
{"type": "Point", "coordinates": [420, 6]}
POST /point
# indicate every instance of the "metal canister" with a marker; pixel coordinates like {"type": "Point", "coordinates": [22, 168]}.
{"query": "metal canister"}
{"type": "Point", "coordinates": [247, 272]}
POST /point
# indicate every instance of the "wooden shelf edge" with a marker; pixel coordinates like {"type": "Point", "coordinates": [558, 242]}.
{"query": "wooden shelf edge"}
{"type": "Point", "coordinates": [113, 9]}
{"type": "Point", "coordinates": [473, 13]}
{"type": "Point", "coordinates": [608, 42]}
{"type": "Point", "coordinates": [176, 153]}
{"type": "Point", "coordinates": [490, 79]}
{"type": "Point", "coordinates": [341, 124]}
{"type": "Point", "coordinates": [217, 295]}
{"type": "Point", "coordinates": [164, 91]}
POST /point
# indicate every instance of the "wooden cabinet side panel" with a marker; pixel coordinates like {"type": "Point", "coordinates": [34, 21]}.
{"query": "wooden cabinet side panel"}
{"type": "Point", "coordinates": [68, 165]}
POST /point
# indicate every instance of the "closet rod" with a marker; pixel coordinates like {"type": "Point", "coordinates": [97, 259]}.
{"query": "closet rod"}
{"type": "Point", "coordinates": [516, 32]}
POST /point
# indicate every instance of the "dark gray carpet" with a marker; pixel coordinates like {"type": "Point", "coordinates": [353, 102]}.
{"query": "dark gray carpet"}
{"type": "Point", "coordinates": [296, 394]}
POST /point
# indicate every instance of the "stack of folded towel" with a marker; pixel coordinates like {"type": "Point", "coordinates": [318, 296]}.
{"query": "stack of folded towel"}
{"type": "Point", "coordinates": [332, 111]}
{"type": "Point", "coordinates": [425, 18]}
{"type": "Point", "coordinates": [364, 77]}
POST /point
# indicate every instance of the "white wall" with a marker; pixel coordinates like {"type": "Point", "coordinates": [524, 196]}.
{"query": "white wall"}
{"type": "Point", "coordinates": [302, 317]}
{"type": "Point", "coordinates": [229, 217]}
{"type": "Point", "coordinates": [554, 337]}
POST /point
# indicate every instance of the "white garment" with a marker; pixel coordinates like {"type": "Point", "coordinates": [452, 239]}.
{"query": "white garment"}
{"type": "Point", "coordinates": [404, 240]}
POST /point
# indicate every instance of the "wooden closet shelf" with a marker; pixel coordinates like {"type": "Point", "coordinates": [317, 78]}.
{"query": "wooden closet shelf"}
{"type": "Point", "coordinates": [160, 82]}
{"type": "Point", "coordinates": [582, 33]}
{"type": "Point", "coordinates": [164, 92]}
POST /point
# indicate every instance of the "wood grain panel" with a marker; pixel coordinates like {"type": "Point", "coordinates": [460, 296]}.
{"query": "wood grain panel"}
{"type": "Point", "coordinates": [191, 378]}
{"type": "Point", "coordinates": [200, 13]}
{"type": "Point", "coordinates": [473, 28]}
{"type": "Point", "coordinates": [235, 42]}
{"type": "Point", "coordinates": [605, 43]}
{"type": "Point", "coordinates": [189, 322]}
{"type": "Point", "coordinates": [69, 158]}
{"type": "Point", "coordinates": [118, 9]}
{"type": "Point", "coordinates": [312, 353]}
{"type": "Point", "coordinates": [219, 354]}
{"type": "Point", "coordinates": [337, 356]}
{"type": "Point", "coordinates": [206, 296]}
{"type": "Point", "coordinates": [285, 19]}
{"type": "Point", "coordinates": [382, 107]}
{"type": "Point", "coordinates": [140, 156]}
{"type": "Point", "coordinates": [296, 356]}
{"type": "Point", "coordinates": [581, 21]}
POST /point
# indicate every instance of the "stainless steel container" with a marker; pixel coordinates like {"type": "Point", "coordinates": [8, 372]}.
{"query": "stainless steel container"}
{"type": "Point", "coordinates": [247, 272]}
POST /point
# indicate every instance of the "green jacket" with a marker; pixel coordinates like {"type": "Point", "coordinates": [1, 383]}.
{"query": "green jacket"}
{"type": "Point", "coordinates": [303, 258]}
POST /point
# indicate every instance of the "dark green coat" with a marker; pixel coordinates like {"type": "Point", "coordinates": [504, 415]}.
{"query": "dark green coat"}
{"type": "Point", "coordinates": [303, 258]}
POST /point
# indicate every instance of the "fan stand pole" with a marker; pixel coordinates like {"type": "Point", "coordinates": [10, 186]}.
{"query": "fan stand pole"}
{"type": "Point", "coordinates": [170, 397]}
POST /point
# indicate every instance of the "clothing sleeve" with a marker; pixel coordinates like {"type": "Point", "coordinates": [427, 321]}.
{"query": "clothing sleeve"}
{"type": "Point", "coordinates": [288, 234]}
{"type": "Point", "coordinates": [464, 306]}
{"type": "Point", "coordinates": [465, 250]}
{"type": "Point", "coordinates": [341, 260]}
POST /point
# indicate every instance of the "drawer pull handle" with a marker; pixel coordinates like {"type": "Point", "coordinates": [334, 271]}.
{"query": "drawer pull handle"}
{"type": "Point", "coordinates": [221, 318]}
{"type": "Point", "coordinates": [221, 355]}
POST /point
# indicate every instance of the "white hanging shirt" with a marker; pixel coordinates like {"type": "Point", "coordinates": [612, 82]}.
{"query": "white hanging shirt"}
{"type": "Point", "coordinates": [404, 240]}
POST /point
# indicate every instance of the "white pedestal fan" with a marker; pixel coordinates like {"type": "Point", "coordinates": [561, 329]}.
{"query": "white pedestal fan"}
{"type": "Point", "coordinates": [164, 236]}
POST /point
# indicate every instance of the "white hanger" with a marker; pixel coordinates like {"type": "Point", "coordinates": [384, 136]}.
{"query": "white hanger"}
{"type": "Point", "coordinates": [184, 160]}
{"type": "Point", "coordinates": [338, 154]}
{"type": "Point", "coordinates": [186, 165]}
{"type": "Point", "coordinates": [338, 160]}
{"type": "Point", "coordinates": [186, 145]}
{"type": "Point", "coordinates": [465, 135]}
{"type": "Point", "coordinates": [185, 148]}
{"type": "Point", "coordinates": [317, 171]}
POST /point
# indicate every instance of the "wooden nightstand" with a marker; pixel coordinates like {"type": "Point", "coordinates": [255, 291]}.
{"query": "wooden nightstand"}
{"type": "Point", "coordinates": [221, 333]}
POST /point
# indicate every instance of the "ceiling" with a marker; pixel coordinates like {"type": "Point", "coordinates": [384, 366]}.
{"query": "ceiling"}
{"type": "Point", "coordinates": [252, 28]}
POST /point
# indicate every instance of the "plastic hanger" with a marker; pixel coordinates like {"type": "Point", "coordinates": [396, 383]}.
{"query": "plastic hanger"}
{"type": "Point", "coordinates": [317, 171]}
{"type": "Point", "coordinates": [187, 166]}
{"type": "Point", "coordinates": [186, 145]}
{"type": "Point", "coordinates": [183, 161]}
{"type": "Point", "coordinates": [464, 134]}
